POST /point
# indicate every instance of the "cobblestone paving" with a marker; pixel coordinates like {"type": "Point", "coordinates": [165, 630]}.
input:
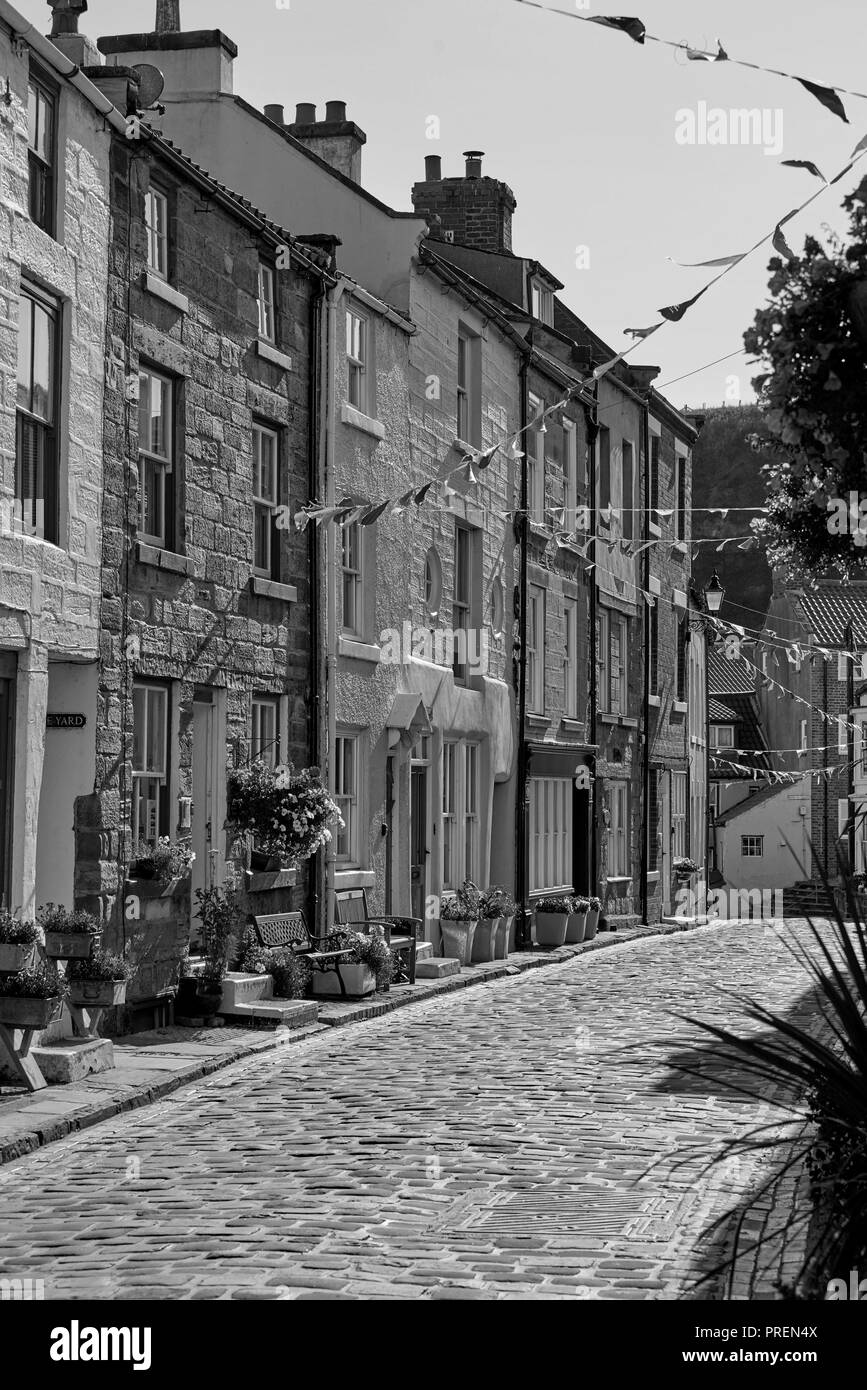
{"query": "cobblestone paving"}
{"type": "Point", "coordinates": [494, 1143]}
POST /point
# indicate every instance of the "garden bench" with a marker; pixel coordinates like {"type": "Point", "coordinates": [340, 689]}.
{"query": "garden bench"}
{"type": "Point", "coordinates": [401, 933]}
{"type": "Point", "coordinates": [288, 931]}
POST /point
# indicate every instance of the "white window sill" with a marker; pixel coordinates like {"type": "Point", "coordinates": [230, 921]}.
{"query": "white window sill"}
{"type": "Point", "coordinates": [359, 421]}
{"type": "Point", "coordinates": [655, 701]}
{"type": "Point", "coordinates": [270, 588]}
{"type": "Point", "coordinates": [571, 726]}
{"type": "Point", "coordinates": [627, 721]}
{"type": "Point", "coordinates": [680, 707]}
{"type": "Point", "coordinates": [354, 878]}
{"type": "Point", "coordinates": [161, 289]}
{"type": "Point", "coordinates": [359, 651]}
{"type": "Point", "coordinates": [273, 354]}
{"type": "Point", "coordinates": [539, 721]}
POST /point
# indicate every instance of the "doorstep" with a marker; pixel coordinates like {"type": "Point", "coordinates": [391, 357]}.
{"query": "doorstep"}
{"type": "Point", "coordinates": [149, 1066]}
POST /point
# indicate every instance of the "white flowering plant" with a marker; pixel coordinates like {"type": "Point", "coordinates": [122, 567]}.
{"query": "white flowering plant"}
{"type": "Point", "coordinates": [289, 813]}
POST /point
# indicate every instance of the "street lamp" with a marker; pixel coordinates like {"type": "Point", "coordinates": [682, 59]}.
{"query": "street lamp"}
{"type": "Point", "coordinates": [714, 593]}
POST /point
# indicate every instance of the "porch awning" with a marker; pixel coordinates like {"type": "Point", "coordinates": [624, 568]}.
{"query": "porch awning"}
{"type": "Point", "coordinates": [407, 718]}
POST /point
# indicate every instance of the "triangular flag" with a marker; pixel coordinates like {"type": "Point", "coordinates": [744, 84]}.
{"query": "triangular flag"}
{"type": "Point", "coordinates": [803, 164]}
{"type": "Point", "coordinates": [374, 514]}
{"type": "Point", "coordinates": [422, 494]}
{"type": "Point", "coordinates": [780, 244]}
{"type": "Point", "coordinates": [827, 96]}
{"type": "Point", "coordinates": [862, 145]}
{"type": "Point", "coordinates": [633, 27]}
{"type": "Point", "coordinates": [700, 265]}
{"type": "Point", "coordinates": [486, 459]}
{"type": "Point", "coordinates": [675, 312]}
{"type": "Point", "coordinates": [695, 55]}
{"type": "Point", "coordinates": [646, 332]}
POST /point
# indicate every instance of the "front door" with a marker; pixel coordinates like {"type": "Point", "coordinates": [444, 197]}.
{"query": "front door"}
{"type": "Point", "coordinates": [419, 851]}
{"type": "Point", "coordinates": [7, 720]}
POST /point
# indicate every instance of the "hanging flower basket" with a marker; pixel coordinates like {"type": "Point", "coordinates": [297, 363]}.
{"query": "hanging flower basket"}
{"type": "Point", "coordinates": [288, 813]}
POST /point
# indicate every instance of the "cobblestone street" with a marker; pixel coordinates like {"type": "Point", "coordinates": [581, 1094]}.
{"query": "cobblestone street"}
{"type": "Point", "coordinates": [490, 1144]}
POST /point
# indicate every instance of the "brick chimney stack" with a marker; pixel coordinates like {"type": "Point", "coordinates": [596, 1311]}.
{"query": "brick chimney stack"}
{"type": "Point", "coordinates": [476, 208]}
{"type": "Point", "coordinates": [336, 140]}
{"type": "Point", "coordinates": [168, 19]}
{"type": "Point", "coordinates": [65, 15]}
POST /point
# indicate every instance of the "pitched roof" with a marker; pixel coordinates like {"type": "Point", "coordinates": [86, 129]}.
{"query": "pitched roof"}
{"type": "Point", "coordinates": [828, 608]}
{"type": "Point", "coordinates": [728, 677]}
{"type": "Point", "coordinates": [720, 713]}
{"type": "Point", "coordinates": [755, 800]}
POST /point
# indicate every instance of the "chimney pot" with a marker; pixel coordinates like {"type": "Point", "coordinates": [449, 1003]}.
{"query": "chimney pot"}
{"type": "Point", "coordinates": [335, 111]}
{"type": "Point", "coordinates": [276, 114]}
{"type": "Point", "coordinates": [433, 168]}
{"type": "Point", "coordinates": [65, 15]}
{"type": "Point", "coordinates": [305, 113]}
{"type": "Point", "coordinates": [474, 163]}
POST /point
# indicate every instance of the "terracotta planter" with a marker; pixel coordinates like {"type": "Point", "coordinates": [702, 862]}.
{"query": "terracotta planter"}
{"type": "Point", "coordinates": [485, 938]}
{"type": "Point", "coordinates": [358, 981]}
{"type": "Point", "coordinates": [69, 945]}
{"type": "Point", "coordinates": [504, 942]}
{"type": "Point", "coordinates": [575, 928]}
{"type": "Point", "coordinates": [15, 957]}
{"type": "Point", "coordinates": [551, 928]}
{"type": "Point", "coordinates": [17, 1011]}
{"type": "Point", "coordinates": [97, 994]}
{"type": "Point", "coordinates": [458, 939]}
{"type": "Point", "coordinates": [592, 923]}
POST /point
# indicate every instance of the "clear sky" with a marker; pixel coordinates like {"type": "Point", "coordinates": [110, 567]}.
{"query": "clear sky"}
{"type": "Point", "coordinates": [581, 122]}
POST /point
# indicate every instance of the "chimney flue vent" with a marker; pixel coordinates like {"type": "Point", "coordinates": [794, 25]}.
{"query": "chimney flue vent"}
{"type": "Point", "coordinates": [335, 111]}
{"type": "Point", "coordinates": [433, 168]}
{"type": "Point", "coordinates": [276, 114]}
{"type": "Point", "coordinates": [305, 113]}
{"type": "Point", "coordinates": [474, 163]}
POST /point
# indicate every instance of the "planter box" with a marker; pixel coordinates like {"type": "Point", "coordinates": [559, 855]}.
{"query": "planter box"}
{"type": "Point", "coordinates": [19, 1012]}
{"type": "Point", "coordinates": [208, 1000]}
{"type": "Point", "coordinates": [576, 928]}
{"type": "Point", "coordinates": [97, 994]}
{"type": "Point", "coordinates": [69, 946]}
{"type": "Point", "coordinates": [358, 981]}
{"type": "Point", "coordinates": [458, 939]}
{"type": "Point", "coordinates": [485, 938]}
{"type": "Point", "coordinates": [551, 928]}
{"type": "Point", "coordinates": [504, 940]}
{"type": "Point", "coordinates": [592, 923]}
{"type": "Point", "coordinates": [15, 957]}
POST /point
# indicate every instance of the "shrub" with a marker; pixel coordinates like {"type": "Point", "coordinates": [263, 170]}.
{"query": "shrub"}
{"type": "Point", "coordinates": [220, 915]}
{"type": "Point", "coordinates": [288, 813]}
{"type": "Point", "coordinates": [14, 932]}
{"type": "Point", "coordinates": [102, 965]}
{"type": "Point", "coordinates": [291, 974]}
{"type": "Point", "coordinates": [595, 904]}
{"type": "Point", "coordinates": [37, 982]}
{"type": "Point", "coordinates": [170, 858]}
{"type": "Point", "coordinates": [60, 919]}
{"type": "Point", "coordinates": [372, 951]}
{"type": "Point", "coordinates": [580, 904]}
{"type": "Point", "coordinates": [554, 904]}
{"type": "Point", "coordinates": [497, 902]}
{"type": "Point", "coordinates": [465, 906]}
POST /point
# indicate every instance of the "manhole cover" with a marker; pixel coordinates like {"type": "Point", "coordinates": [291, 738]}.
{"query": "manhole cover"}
{"type": "Point", "coordinates": [604, 1212]}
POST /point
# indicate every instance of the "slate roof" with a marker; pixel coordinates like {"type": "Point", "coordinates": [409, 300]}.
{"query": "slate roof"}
{"type": "Point", "coordinates": [829, 608]}
{"type": "Point", "coordinates": [756, 800]}
{"type": "Point", "coordinates": [727, 677]}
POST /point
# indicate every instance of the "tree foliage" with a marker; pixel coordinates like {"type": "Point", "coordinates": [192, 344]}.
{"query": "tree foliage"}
{"type": "Point", "coordinates": [811, 338]}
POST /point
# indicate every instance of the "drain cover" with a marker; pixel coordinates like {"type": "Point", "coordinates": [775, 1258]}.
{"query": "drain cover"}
{"type": "Point", "coordinates": [595, 1210]}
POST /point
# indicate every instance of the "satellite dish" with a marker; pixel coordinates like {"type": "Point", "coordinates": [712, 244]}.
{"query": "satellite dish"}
{"type": "Point", "coordinates": [150, 83]}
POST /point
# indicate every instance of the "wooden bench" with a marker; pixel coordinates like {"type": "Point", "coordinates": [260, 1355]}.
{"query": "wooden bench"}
{"type": "Point", "coordinates": [288, 931]}
{"type": "Point", "coordinates": [401, 933]}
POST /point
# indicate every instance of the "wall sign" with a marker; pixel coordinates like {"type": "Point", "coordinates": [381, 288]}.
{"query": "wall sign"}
{"type": "Point", "coordinates": [66, 721]}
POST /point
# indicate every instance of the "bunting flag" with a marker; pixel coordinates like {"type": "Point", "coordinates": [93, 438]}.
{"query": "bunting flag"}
{"type": "Point", "coordinates": [701, 265]}
{"type": "Point", "coordinates": [780, 244]}
{"type": "Point", "coordinates": [675, 312]}
{"type": "Point", "coordinates": [827, 96]}
{"type": "Point", "coordinates": [696, 55]}
{"type": "Point", "coordinates": [802, 164]}
{"type": "Point", "coordinates": [633, 27]}
{"type": "Point", "coordinates": [374, 514]}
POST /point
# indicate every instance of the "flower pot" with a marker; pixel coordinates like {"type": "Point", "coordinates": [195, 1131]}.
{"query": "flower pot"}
{"type": "Point", "coordinates": [208, 1000]}
{"type": "Point", "coordinates": [592, 923]}
{"type": "Point", "coordinates": [186, 998]}
{"type": "Point", "coordinates": [358, 981]}
{"type": "Point", "coordinates": [143, 868]}
{"type": "Point", "coordinates": [551, 928]}
{"type": "Point", "coordinates": [458, 939]}
{"type": "Point", "coordinates": [97, 994]}
{"type": "Point", "coordinates": [485, 938]}
{"type": "Point", "coordinates": [576, 927]}
{"type": "Point", "coordinates": [15, 957]}
{"type": "Point", "coordinates": [69, 945]}
{"type": "Point", "coordinates": [503, 942]}
{"type": "Point", "coordinates": [16, 1011]}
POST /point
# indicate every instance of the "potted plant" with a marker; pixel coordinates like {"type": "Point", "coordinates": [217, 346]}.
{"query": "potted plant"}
{"type": "Point", "coordinates": [68, 935]}
{"type": "Point", "coordinates": [577, 924]}
{"type": "Point", "coordinates": [32, 998]}
{"type": "Point", "coordinates": [165, 860]}
{"type": "Point", "coordinates": [684, 869]}
{"type": "Point", "coordinates": [552, 916]}
{"type": "Point", "coordinates": [593, 911]}
{"type": "Point", "coordinates": [491, 940]}
{"type": "Point", "coordinates": [220, 915]}
{"type": "Point", "coordinates": [288, 813]}
{"type": "Point", "coordinates": [98, 982]}
{"type": "Point", "coordinates": [17, 942]}
{"type": "Point", "coordinates": [458, 918]}
{"type": "Point", "coordinates": [368, 968]}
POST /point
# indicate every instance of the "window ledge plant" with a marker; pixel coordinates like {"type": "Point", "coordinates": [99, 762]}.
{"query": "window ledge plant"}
{"type": "Point", "coordinates": [163, 861]}
{"type": "Point", "coordinates": [17, 942]}
{"type": "Point", "coordinates": [69, 935]}
{"type": "Point", "coordinates": [99, 981]}
{"type": "Point", "coordinates": [31, 998]}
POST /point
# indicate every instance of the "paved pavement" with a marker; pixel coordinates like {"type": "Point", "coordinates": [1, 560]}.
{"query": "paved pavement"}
{"type": "Point", "coordinates": [493, 1143]}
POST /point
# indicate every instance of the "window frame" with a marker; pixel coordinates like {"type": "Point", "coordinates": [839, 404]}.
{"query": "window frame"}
{"type": "Point", "coordinates": [267, 276]}
{"type": "Point", "coordinates": [618, 829]}
{"type": "Point", "coordinates": [262, 530]}
{"type": "Point", "coordinates": [536, 480]}
{"type": "Point", "coordinates": [570, 474]}
{"type": "Point", "coordinates": [714, 732]}
{"type": "Point", "coordinates": [681, 465]}
{"type": "Point", "coordinates": [570, 658]}
{"type": "Point", "coordinates": [265, 750]}
{"type": "Point", "coordinates": [352, 575]}
{"type": "Point", "coordinates": [751, 852]}
{"type": "Point", "coordinates": [158, 776]}
{"type": "Point", "coordinates": [468, 387]}
{"type": "Point", "coordinates": [154, 196]}
{"type": "Point", "coordinates": [50, 95]}
{"type": "Point", "coordinates": [653, 466]}
{"type": "Point", "coordinates": [347, 841]}
{"type": "Point", "coordinates": [627, 498]}
{"type": "Point", "coordinates": [460, 855]}
{"type": "Point", "coordinates": [550, 830]}
{"type": "Point", "coordinates": [535, 637]}
{"type": "Point", "coordinates": [603, 456]}
{"type": "Point", "coordinates": [464, 599]}
{"type": "Point", "coordinates": [158, 468]}
{"type": "Point", "coordinates": [617, 622]}
{"type": "Point", "coordinates": [45, 427]}
{"type": "Point", "coordinates": [358, 363]}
